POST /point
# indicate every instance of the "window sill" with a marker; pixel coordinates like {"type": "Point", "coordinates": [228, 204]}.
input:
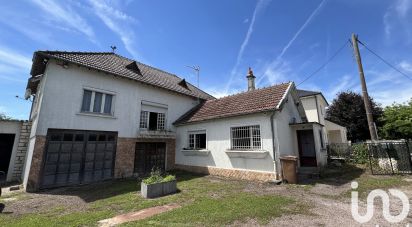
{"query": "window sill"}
{"type": "Point", "coordinates": [257, 154]}
{"type": "Point", "coordinates": [97, 115]}
{"type": "Point", "coordinates": [195, 152]}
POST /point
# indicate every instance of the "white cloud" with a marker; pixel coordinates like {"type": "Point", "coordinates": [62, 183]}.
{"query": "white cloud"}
{"type": "Point", "coordinates": [346, 82]}
{"type": "Point", "coordinates": [295, 36]}
{"type": "Point", "coordinates": [246, 21]}
{"type": "Point", "coordinates": [119, 23]}
{"type": "Point", "coordinates": [62, 12]}
{"type": "Point", "coordinates": [260, 6]}
{"type": "Point", "coordinates": [402, 7]}
{"type": "Point", "coordinates": [12, 64]}
{"type": "Point", "coordinates": [11, 59]}
{"type": "Point", "coordinates": [398, 19]}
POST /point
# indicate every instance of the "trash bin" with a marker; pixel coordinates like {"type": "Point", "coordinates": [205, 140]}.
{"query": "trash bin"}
{"type": "Point", "coordinates": [289, 169]}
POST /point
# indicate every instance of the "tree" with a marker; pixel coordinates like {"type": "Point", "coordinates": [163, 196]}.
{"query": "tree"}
{"type": "Point", "coordinates": [3, 116]}
{"type": "Point", "coordinates": [397, 120]}
{"type": "Point", "coordinates": [348, 110]}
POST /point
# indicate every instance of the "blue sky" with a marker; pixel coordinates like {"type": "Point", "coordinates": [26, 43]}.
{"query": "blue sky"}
{"type": "Point", "coordinates": [281, 40]}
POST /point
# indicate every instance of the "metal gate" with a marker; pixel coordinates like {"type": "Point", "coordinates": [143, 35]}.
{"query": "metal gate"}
{"type": "Point", "coordinates": [75, 157]}
{"type": "Point", "coordinates": [149, 156]}
{"type": "Point", "coordinates": [390, 158]}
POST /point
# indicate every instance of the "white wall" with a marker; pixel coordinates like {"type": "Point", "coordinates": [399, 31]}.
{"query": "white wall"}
{"type": "Point", "coordinates": [313, 105]}
{"type": "Point", "coordinates": [336, 133]}
{"type": "Point", "coordinates": [309, 104]}
{"type": "Point", "coordinates": [11, 127]}
{"type": "Point", "coordinates": [218, 142]}
{"type": "Point", "coordinates": [63, 93]}
{"type": "Point", "coordinates": [286, 135]}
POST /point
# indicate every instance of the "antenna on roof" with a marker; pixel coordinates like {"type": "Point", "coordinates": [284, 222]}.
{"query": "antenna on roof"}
{"type": "Point", "coordinates": [113, 48]}
{"type": "Point", "coordinates": [197, 69]}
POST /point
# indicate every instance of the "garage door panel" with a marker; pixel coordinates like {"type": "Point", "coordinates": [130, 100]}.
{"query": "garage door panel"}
{"type": "Point", "coordinates": [75, 157]}
{"type": "Point", "coordinates": [53, 147]}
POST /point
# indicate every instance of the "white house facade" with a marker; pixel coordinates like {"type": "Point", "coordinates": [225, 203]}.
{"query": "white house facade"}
{"type": "Point", "coordinates": [99, 116]}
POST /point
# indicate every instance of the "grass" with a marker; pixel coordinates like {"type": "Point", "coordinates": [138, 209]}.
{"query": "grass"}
{"type": "Point", "coordinates": [204, 201]}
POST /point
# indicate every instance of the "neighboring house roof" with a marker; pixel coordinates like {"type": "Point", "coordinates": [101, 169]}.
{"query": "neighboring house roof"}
{"type": "Point", "coordinates": [306, 93]}
{"type": "Point", "coordinates": [117, 65]}
{"type": "Point", "coordinates": [259, 100]}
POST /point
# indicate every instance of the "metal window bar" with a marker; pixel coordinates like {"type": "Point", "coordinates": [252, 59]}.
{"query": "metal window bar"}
{"type": "Point", "coordinates": [246, 137]}
{"type": "Point", "coordinates": [143, 119]}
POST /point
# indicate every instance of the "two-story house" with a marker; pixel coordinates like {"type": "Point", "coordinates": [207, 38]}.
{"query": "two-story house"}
{"type": "Point", "coordinates": [98, 116]}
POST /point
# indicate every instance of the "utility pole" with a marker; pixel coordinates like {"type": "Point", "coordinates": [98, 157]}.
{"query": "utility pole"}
{"type": "Point", "coordinates": [371, 124]}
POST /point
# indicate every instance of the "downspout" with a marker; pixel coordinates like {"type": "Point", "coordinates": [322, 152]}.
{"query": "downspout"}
{"type": "Point", "coordinates": [275, 158]}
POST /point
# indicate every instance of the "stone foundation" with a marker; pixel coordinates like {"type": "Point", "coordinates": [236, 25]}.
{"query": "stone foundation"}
{"type": "Point", "coordinates": [240, 174]}
{"type": "Point", "coordinates": [33, 182]}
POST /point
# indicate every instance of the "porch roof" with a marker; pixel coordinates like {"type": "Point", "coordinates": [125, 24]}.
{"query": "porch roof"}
{"type": "Point", "coordinates": [305, 124]}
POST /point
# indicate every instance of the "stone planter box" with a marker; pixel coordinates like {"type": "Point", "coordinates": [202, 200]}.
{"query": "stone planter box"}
{"type": "Point", "coordinates": [158, 189]}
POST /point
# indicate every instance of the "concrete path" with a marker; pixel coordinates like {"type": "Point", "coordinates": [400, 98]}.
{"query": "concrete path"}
{"type": "Point", "coordinates": [137, 215]}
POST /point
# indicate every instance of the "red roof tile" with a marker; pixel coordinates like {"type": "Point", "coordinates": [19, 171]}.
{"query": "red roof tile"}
{"type": "Point", "coordinates": [259, 100]}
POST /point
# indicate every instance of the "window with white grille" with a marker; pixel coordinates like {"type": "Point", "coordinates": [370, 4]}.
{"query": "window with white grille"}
{"type": "Point", "coordinates": [152, 120]}
{"type": "Point", "coordinates": [197, 140]}
{"type": "Point", "coordinates": [246, 137]}
{"type": "Point", "coordinates": [160, 121]}
{"type": "Point", "coordinates": [144, 117]}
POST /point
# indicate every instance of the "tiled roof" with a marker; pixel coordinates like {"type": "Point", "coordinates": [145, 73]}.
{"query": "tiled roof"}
{"type": "Point", "coordinates": [303, 93]}
{"type": "Point", "coordinates": [259, 100]}
{"type": "Point", "coordinates": [120, 66]}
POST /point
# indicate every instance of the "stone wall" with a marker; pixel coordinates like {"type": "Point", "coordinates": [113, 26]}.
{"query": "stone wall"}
{"type": "Point", "coordinates": [230, 173]}
{"type": "Point", "coordinates": [33, 182]}
{"type": "Point", "coordinates": [21, 151]}
{"type": "Point", "coordinates": [125, 154]}
{"type": "Point", "coordinates": [124, 161]}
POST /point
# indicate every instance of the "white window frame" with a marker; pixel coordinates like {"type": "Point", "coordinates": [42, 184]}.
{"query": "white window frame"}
{"type": "Point", "coordinates": [91, 106]}
{"type": "Point", "coordinates": [194, 133]}
{"type": "Point", "coordinates": [159, 120]}
{"type": "Point", "coordinates": [251, 138]}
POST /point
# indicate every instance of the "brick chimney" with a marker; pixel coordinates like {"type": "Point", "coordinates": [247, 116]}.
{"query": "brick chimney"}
{"type": "Point", "coordinates": [250, 80]}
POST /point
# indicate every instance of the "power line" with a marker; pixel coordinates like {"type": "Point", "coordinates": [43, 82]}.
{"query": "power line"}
{"type": "Point", "coordinates": [326, 63]}
{"type": "Point", "coordinates": [386, 62]}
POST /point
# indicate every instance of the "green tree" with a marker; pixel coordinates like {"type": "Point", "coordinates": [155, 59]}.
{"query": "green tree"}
{"type": "Point", "coordinates": [397, 120]}
{"type": "Point", "coordinates": [3, 116]}
{"type": "Point", "coordinates": [348, 110]}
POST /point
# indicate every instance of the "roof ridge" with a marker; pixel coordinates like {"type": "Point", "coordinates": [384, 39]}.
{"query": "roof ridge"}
{"type": "Point", "coordinates": [244, 92]}
{"type": "Point", "coordinates": [73, 52]}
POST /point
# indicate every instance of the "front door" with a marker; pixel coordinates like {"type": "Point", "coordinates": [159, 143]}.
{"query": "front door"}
{"type": "Point", "coordinates": [307, 151]}
{"type": "Point", "coordinates": [149, 156]}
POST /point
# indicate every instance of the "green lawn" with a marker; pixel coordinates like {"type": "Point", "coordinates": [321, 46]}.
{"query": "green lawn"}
{"type": "Point", "coordinates": [204, 201]}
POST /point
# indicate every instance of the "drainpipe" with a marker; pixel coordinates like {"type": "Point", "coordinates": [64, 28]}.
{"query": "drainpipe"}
{"type": "Point", "coordinates": [275, 158]}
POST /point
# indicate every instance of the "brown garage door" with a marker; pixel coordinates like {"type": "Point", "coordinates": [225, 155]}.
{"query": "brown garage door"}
{"type": "Point", "coordinates": [76, 157]}
{"type": "Point", "coordinates": [149, 156]}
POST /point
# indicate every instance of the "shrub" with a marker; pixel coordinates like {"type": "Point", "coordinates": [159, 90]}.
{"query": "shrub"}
{"type": "Point", "coordinates": [360, 153]}
{"type": "Point", "coordinates": [156, 177]}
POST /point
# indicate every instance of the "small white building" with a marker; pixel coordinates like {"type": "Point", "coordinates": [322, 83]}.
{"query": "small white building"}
{"type": "Point", "coordinates": [98, 116]}
{"type": "Point", "coordinates": [245, 135]}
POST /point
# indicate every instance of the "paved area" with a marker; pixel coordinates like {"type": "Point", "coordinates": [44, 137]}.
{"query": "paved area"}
{"type": "Point", "coordinates": [138, 215]}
